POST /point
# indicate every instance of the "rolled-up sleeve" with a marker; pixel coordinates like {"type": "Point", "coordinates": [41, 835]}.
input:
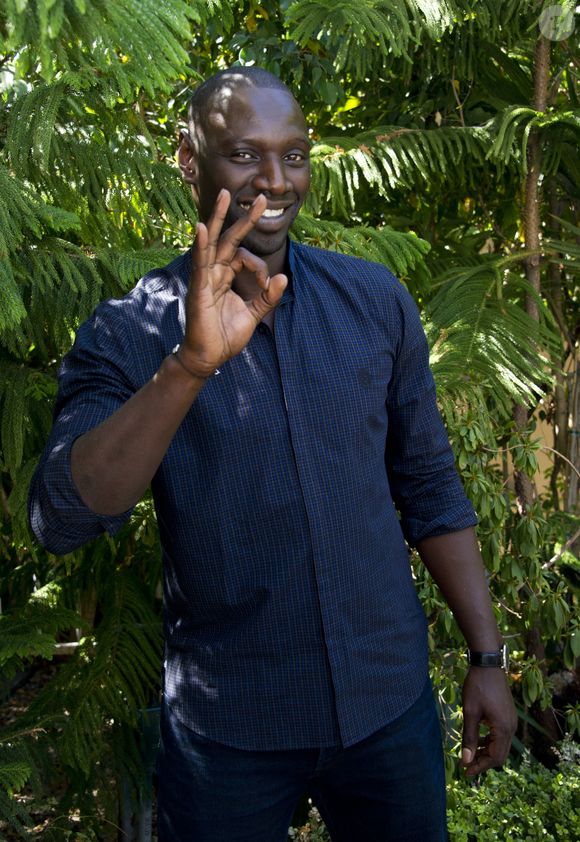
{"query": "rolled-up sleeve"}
{"type": "Point", "coordinates": [95, 379]}
{"type": "Point", "coordinates": [422, 475]}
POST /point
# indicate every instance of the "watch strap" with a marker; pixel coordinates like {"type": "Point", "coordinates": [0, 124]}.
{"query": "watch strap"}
{"type": "Point", "coordinates": [489, 659]}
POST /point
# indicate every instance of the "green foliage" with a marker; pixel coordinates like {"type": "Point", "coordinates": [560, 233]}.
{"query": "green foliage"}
{"type": "Point", "coordinates": [403, 252]}
{"type": "Point", "coordinates": [31, 634]}
{"type": "Point", "coordinates": [84, 722]}
{"type": "Point", "coordinates": [358, 36]}
{"type": "Point", "coordinates": [122, 38]}
{"type": "Point", "coordinates": [490, 342]}
{"type": "Point", "coordinates": [521, 804]}
{"type": "Point", "coordinates": [19, 768]}
{"type": "Point", "coordinates": [110, 678]}
{"type": "Point", "coordinates": [388, 159]}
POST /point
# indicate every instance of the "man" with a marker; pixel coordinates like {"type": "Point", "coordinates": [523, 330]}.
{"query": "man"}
{"type": "Point", "coordinates": [278, 399]}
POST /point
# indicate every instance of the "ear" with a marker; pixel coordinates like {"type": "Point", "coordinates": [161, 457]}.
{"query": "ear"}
{"type": "Point", "coordinates": [186, 158]}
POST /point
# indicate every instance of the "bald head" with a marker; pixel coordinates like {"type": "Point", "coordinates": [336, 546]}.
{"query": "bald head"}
{"type": "Point", "coordinates": [222, 85]}
{"type": "Point", "coordinates": [214, 97]}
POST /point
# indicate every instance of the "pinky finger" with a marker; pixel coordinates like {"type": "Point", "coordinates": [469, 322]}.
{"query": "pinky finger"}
{"type": "Point", "coordinates": [201, 236]}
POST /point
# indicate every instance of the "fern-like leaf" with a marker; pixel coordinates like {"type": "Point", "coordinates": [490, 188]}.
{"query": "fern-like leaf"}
{"type": "Point", "coordinates": [402, 252]}
{"type": "Point", "coordinates": [479, 332]}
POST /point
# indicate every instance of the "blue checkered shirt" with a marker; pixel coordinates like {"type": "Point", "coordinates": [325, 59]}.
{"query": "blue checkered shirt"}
{"type": "Point", "coordinates": [291, 617]}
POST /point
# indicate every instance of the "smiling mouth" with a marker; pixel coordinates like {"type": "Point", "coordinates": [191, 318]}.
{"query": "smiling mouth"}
{"type": "Point", "coordinates": [269, 213]}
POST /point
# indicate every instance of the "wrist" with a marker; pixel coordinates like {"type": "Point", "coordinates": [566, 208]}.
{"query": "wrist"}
{"type": "Point", "coordinates": [174, 377]}
{"type": "Point", "coordinates": [192, 370]}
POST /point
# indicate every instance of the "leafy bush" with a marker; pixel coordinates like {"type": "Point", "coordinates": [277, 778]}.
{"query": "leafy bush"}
{"type": "Point", "coordinates": [520, 804]}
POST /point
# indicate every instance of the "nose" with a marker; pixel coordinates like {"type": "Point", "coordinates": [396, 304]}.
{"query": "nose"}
{"type": "Point", "coordinates": [271, 176]}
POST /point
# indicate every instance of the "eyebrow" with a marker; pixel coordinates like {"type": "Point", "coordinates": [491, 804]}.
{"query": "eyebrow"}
{"type": "Point", "coordinates": [258, 141]}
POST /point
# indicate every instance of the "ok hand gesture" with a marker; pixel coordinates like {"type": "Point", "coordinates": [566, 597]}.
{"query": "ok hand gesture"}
{"type": "Point", "coordinates": [218, 322]}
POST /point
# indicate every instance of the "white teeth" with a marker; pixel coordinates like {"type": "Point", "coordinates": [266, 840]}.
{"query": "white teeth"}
{"type": "Point", "coordinates": [269, 213]}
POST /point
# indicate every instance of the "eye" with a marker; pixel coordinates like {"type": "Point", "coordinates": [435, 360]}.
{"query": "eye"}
{"type": "Point", "coordinates": [242, 155]}
{"type": "Point", "coordinates": [295, 157]}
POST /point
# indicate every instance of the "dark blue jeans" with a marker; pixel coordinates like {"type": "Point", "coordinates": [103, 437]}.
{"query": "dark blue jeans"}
{"type": "Point", "coordinates": [390, 787]}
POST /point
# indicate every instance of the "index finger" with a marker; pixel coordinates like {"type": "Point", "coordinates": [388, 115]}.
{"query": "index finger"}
{"type": "Point", "coordinates": [231, 239]}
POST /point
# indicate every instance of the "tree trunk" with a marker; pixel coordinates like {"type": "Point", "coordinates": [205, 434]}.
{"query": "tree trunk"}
{"type": "Point", "coordinates": [559, 409]}
{"type": "Point", "coordinates": [532, 226]}
{"type": "Point", "coordinates": [532, 220]}
{"type": "Point", "coordinates": [574, 418]}
{"type": "Point", "coordinates": [532, 232]}
{"type": "Point", "coordinates": [574, 452]}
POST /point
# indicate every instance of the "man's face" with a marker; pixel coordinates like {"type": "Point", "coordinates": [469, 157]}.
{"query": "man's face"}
{"type": "Point", "coordinates": [253, 141]}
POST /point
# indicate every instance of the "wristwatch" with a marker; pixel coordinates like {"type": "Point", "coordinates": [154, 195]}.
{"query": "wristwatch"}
{"type": "Point", "coordinates": [490, 659]}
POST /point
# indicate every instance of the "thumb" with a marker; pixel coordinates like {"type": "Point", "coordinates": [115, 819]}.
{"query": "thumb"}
{"type": "Point", "coordinates": [467, 755]}
{"type": "Point", "coordinates": [470, 738]}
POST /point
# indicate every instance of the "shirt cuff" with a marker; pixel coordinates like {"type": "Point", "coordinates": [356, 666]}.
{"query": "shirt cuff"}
{"type": "Point", "coordinates": [59, 517]}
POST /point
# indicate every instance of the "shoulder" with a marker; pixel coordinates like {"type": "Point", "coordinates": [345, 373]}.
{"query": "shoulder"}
{"type": "Point", "coordinates": [157, 288]}
{"type": "Point", "coordinates": [328, 261]}
{"type": "Point", "coordinates": [160, 290]}
{"type": "Point", "coordinates": [137, 330]}
{"type": "Point", "coordinates": [371, 282]}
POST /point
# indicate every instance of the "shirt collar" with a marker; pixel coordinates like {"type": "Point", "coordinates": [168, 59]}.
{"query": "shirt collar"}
{"type": "Point", "coordinates": [289, 271]}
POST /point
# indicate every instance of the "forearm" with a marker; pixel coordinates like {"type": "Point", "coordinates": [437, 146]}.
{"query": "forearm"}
{"type": "Point", "coordinates": [455, 562]}
{"type": "Point", "coordinates": [114, 463]}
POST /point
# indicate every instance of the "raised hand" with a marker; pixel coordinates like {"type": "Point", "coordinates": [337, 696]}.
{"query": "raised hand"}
{"type": "Point", "coordinates": [219, 323]}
